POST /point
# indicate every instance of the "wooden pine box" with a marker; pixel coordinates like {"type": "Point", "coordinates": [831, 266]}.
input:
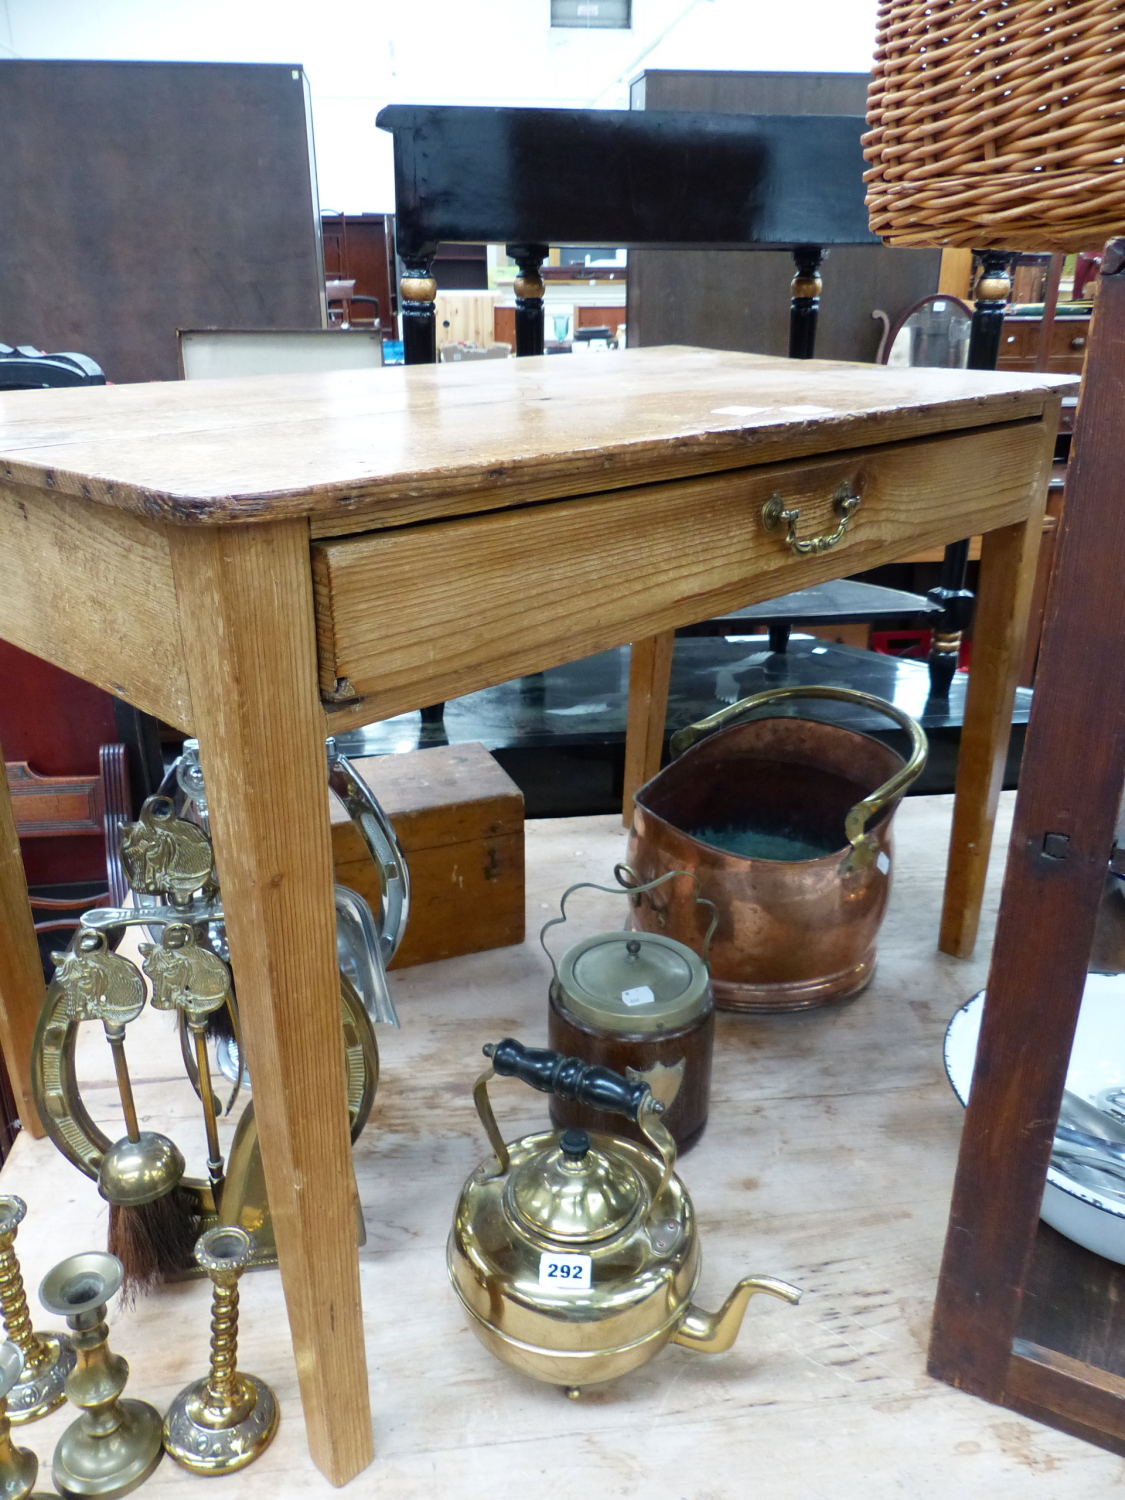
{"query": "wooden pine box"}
{"type": "Point", "coordinates": [459, 820]}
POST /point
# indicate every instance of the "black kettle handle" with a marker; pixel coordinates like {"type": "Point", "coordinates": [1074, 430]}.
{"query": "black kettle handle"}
{"type": "Point", "coordinates": [567, 1077]}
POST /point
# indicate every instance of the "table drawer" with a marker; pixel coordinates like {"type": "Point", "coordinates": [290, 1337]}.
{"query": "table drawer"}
{"type": "Point", "coordinates": [430, 612]}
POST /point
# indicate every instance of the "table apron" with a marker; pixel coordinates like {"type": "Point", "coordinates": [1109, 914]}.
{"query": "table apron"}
{"type": "Point", "coordinates": [434, 611]}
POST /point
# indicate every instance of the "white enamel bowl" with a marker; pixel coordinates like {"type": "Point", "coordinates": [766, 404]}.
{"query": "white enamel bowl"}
{"type": "Point", "coordinates": [1097, 1062]}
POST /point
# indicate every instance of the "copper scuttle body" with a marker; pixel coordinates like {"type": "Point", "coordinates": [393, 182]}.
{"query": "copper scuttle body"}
{"type": "Point", "coordinates": [792, 933]}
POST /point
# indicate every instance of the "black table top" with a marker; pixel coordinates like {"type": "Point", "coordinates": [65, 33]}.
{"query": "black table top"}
{"type": "Point", "coordinates": [842, 601]}
{"type": "Point", "coordinates": [625, 177]}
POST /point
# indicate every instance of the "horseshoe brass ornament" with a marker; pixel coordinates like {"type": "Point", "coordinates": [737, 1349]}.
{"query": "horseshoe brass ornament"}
{"type": "Point", "coordinates": [170, 865]}
{"type": "Point", "coordinates": [165, 855]}
{"type": "Point", "coordinates": [774, 514]}
{"type": "Point", "coordinates": [58, 1098]}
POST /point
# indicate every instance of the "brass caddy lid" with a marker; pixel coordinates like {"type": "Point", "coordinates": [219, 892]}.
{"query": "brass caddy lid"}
{"type": "Point", "coordinates": [575, 1193]}
{"type": "Point", "coordinates": [633, 981]}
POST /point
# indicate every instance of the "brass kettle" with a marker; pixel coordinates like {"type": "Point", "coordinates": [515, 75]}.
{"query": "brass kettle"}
{"type": "Point", "coordinates": [576, 1255]}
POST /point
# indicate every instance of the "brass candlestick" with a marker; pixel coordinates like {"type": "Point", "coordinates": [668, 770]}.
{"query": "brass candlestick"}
{"type": "Point", "coordinates": [222, 1422]}
{"type": "Point", "coordinates": [19, 1467]}
{"type": "Point", "coordinates": [115, 1444]}
{"type": "Point", "coordinates": [45, 1358]}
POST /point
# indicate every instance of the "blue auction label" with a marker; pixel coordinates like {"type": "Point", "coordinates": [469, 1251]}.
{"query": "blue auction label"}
{"type": "Point", "coordinates": [564, 1273]}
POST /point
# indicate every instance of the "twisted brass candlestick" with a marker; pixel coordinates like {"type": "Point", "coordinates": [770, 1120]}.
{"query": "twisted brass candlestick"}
{"type": "Point", "coordinates": [115, 1444]}
{"type": "Point", "coordinates": [222, 1422]}
{"type": "Point", "coordinates": [19, 1467]}
{"type": "Point", "coordinates": [46, 1358]}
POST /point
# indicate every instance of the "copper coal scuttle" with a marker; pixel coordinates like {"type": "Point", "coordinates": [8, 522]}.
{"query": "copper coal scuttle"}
{"type": "Point", "coordinates": [785, 824]}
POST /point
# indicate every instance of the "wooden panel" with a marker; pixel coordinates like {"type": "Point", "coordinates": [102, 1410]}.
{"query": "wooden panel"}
{"type": "Point", "coordinates": [193, 207]}
{"type": "Point", "coordinates": [482, 600]}
{"type": "Point", "coordinates": [600, 317]}
{"type": "Point", "coordinates": [247, 612]}
{"type": "Point", "coordinates": [464, 898]}
{"type": "Point", "coordinates": [21, 973]}
{"type": "Point", "coordinates": [53, 806]}
{"type": "Point", "coordinates": [359, 449]}
{"type": "Point", "coordinates": [447, 794]}
{"type": "Point", "coordinates": [459, 819]}
{"type": "Point", "coordinates": [1052, 1386]}
{"type": "Point", "coordinates": [469, 316]}
{"type": "Point", "coordinates": [91, 590]}
{"type": "Point", "coordinates": [1052, 889]}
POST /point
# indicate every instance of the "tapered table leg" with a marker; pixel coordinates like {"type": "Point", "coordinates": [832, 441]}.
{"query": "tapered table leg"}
{"type": "Point", "coordinates": [246, 611]}
{"type": "Point", "coordinates": [650, 672]}
{"type": "Point", "coordinates": [1007, 577]}
{"type": "Point", "coordinates": [21, 974]}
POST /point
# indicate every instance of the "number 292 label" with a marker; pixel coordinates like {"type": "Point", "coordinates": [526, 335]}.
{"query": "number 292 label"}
{"type": "Point", "coordinates": [564, 1273]}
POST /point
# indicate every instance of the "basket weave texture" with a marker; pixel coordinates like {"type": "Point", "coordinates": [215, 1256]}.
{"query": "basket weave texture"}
{"type": "Point", "coordinates": [998, 124]}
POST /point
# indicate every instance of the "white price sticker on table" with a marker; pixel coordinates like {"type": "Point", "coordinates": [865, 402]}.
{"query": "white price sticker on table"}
{"type": "Point", "coordinates": [564, 1273]}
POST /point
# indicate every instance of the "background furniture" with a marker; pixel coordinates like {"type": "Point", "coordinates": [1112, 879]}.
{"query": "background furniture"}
{"type": "Point", "coordinates": [1023, 1317]}
{"type": "Point", "coordinates": [213, 353]}
{"type": "Point", "coordinates": [67, 807]}
{"type": "Point", "coordinates": [361, 248]}
{"type": "Point", "coordinates": [532, 178]}
{"type": "Point", "coordinates": [193, 208]}
{"type": "Point", "coordinates": [463, 526]}
{"type": "Point", "coordinates": [27, 369]}
{"type": "Point", "coordinates": [738, 298]}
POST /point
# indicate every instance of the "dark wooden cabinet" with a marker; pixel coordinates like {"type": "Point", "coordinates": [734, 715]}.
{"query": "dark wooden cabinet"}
{"type": "Point", "coordinates": [1019, 343]}
{"type": "Point", "coordinates": [362, 247]}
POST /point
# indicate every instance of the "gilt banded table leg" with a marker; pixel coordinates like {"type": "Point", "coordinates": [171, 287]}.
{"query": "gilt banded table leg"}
{"type": "Point", "coordinates": [529, 297]}
{"type": "Point", "coordinates": [417, 291]}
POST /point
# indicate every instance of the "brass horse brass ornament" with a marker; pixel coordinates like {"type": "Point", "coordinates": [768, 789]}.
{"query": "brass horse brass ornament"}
{"type": "Point", "coordinates": [157, 1210]}
{"type": "Point", "coordinates": [576, 1255]}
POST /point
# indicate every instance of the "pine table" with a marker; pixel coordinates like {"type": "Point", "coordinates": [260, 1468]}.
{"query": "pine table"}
{"type": "Point", "coordinates": [264, 562]}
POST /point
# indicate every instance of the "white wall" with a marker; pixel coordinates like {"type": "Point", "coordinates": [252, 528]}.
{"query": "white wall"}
{"type": "Point", "coordinates": [362, 54]}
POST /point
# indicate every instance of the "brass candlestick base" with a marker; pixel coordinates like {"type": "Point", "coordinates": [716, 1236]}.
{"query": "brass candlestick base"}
{"type": "Point", "coordinates": [19, 1467]}
{"type": "Point", "coordinates": [114, 1445]}
{"type": "Point", "coordinates": [223, 1422]}
{"type": "Point", "coordinates": [46, 1358]}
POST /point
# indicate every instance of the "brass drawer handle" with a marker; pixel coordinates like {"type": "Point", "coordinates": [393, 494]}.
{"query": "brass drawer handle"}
{"type": "Point", "coordinates": [774, 513]}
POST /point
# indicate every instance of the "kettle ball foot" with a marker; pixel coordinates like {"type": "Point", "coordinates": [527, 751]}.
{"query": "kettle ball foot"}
{"type": "Point", "coordinates": [573, 1392]}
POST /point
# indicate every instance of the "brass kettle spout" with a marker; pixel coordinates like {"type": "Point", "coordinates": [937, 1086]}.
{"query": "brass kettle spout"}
{"type": "Point", "coordinates": [711, 1333]}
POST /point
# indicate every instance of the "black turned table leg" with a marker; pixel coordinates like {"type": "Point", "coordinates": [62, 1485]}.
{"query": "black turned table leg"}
{"type": "Point", "coordinates": [993, 291]}
{"type": "Point", "coordinates": [804, 305]}
{"type": "Point", "coordinates": [529, 297]}
{"type": "Point", "coordinates": [417, 290]}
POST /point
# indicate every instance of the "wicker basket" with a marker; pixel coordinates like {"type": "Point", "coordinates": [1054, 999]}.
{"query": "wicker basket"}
{"type": "Point", "coordinates": [998, 124]}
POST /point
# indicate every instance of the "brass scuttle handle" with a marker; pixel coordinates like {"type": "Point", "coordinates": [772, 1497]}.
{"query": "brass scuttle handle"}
{"type": "Point", "coordinates": [864, 848]}
{"type": "Point", "coordinates": [774, 512]}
